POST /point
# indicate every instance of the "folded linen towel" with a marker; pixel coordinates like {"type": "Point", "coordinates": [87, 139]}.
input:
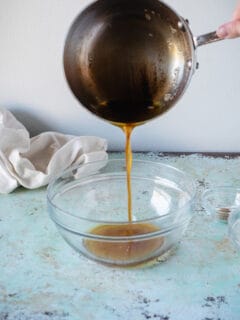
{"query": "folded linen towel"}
{"type": "Point", "coordinates": [31, 162]}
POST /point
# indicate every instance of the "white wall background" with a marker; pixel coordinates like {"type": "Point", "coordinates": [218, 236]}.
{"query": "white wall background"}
{"type": "Point", "coordinates": [32, 83]}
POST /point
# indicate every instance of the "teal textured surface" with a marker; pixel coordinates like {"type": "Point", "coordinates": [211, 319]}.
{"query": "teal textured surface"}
{"type": "Point", "coordinates": [41, 277]}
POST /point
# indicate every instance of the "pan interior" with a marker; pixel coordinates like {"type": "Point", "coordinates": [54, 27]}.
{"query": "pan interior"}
{"type": "Point", "coordinates": [128, 61]}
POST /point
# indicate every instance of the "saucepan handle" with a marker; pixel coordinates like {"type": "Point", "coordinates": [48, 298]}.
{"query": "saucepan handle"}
{"type": "Point", "coordinates": [206, 39]}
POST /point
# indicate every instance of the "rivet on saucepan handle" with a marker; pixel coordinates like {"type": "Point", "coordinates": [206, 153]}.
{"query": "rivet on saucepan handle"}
{"type": "Point", "coordinates": [206, 39]}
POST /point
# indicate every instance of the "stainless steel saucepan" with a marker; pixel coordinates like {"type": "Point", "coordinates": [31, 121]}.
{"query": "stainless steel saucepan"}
{"type": "Point", "coordinates": [128, 61]}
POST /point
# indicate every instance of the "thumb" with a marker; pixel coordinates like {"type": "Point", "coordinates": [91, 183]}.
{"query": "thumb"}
{"type": "Point", "coordinates": [229, 30]}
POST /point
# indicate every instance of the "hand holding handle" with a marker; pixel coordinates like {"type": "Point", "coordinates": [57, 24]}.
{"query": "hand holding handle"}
{"type": "Point", "coordinates": [206, 39]}
{"type": "Point", "coordinates": [228, 30]}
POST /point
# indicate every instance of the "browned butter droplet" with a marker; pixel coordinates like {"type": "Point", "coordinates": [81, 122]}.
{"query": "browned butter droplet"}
{"type": "Point", "coordinates": [124, 250]}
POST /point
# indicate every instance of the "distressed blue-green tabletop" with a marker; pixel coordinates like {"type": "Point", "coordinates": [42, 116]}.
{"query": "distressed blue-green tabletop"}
{"type": "Point", "coordinates": [41, 277]}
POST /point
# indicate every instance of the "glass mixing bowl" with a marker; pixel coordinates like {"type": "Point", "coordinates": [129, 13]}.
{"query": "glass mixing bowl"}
{"type": "Point", "coordinates": [89, 206]}
{"type": "Point", "coordinates": [234, 228]}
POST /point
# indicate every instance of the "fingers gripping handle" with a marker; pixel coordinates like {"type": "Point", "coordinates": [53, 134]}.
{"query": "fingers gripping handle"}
{"type": "Point", "coordinates": [206, 39]}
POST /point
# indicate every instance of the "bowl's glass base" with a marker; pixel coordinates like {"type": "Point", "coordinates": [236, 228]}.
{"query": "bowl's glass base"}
{"type": "Point", "coordinates": [150, 262]}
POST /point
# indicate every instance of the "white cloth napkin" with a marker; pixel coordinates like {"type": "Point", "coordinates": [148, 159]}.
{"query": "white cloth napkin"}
{"type": "Point", "coordinates": [31, 162]}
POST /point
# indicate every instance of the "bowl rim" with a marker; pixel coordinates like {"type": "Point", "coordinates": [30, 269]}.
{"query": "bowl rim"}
{"type": "Point", "coordinates": [219, 188]}
{"type": "Point", "coordinates": [211, 190]}
{"type": "Point", "coordinates": [54, 179]}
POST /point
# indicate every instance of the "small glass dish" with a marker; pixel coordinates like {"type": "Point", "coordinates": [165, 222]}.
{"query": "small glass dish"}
{"type": "Point", "coordinates": [89, 206]}
{"type": "Point", "coordinates": [220, 202]}
{"type": "Point", "coordinates": [234, 228]}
